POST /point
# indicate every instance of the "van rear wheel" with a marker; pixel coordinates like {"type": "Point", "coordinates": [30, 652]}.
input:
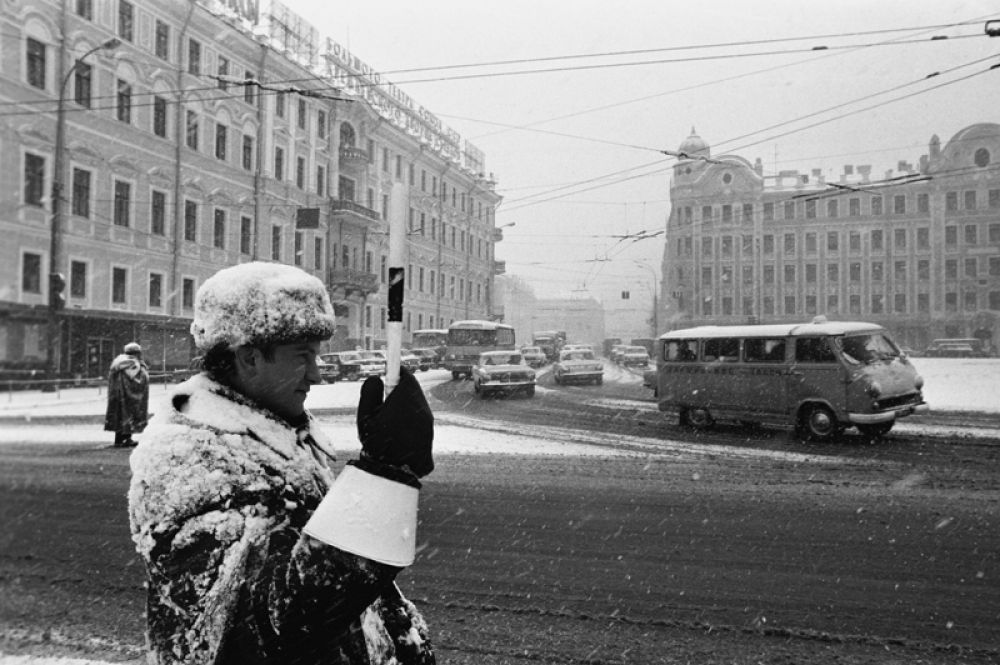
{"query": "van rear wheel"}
{"type": "Point", "coordinates": [818, 423]}
{"type": "Point", "coordinates": [696, 418]}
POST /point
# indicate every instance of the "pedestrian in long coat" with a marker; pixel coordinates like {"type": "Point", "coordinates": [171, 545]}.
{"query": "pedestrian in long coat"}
{"type": "Point", "coordinates": [128, 396]}
{"type": "Point", "coordinates": [226, 482]}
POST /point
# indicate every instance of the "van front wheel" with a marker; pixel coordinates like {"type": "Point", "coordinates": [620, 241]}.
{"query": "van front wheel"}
{"type": "Point", "coordinates": [696, 418]}
{"type": "Point", "coordinates": [818, 423]}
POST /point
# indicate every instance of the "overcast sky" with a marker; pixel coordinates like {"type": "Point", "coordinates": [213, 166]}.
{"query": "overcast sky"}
{"type": "Point", "coordinates": [553, 139]}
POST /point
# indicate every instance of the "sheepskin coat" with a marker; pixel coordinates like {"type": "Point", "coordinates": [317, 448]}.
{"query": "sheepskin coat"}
{"type": "Point", "coordinates": [128, 395]}
{"type": "Point", "coordinates": [219, 494]}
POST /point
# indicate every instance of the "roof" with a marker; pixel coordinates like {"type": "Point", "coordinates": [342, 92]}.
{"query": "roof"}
{"type": "Point", "coordinates": [775, 330]}
{"type": "Point", "coordinates": [478, 325]}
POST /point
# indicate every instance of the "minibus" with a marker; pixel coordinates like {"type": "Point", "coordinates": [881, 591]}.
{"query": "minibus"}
{"type": "Point", "coordinates": [818, 378]}
{"type": "Point", "coordinates": [468, 339]}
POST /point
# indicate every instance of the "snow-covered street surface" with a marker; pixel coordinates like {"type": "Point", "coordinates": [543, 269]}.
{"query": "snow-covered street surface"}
{"type": "Point", "coordinates": [583, 526]}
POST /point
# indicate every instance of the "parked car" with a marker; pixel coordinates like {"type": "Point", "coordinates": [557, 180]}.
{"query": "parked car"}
{"type": "Point", "coordinates": [635, 356]}
{"type": "Point", "coordinates": [351, 366]}
{"type": "Point", "coordinates": [533, 355]}
{"type": "Point", "coordinates": [410, 361]}
{"type": "Point", "coordinates": [329, 371]}
{"type": "Point", "coordinates": [576, 346]}
{"type": "Point", "coordinates": [578, 366]}
{"type": "Point", "coordinates": [502, 372]}
{"type": "Point", "coordinates": [428, 358]}
{"type": "Point", "coordinates": [956, 348]}
{"type": "Point", "coordinates": [375, 356]}
{"type": "Point", "coordinates": [616, 352]}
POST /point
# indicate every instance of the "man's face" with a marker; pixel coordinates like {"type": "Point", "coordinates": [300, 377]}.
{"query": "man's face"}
{"type": "Point", "coordinates": [282, 383]}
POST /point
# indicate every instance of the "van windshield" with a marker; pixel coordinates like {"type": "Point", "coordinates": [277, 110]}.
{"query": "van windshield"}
{"type": "Point", "coordinates": [867, 349]}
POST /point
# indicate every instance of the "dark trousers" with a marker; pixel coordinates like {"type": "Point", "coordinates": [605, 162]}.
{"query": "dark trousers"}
{"type": "Point", "coordinates": [123, 440]}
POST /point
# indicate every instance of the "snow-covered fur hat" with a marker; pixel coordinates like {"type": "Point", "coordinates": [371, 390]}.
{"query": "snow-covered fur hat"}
{"type": "Point", "coordinates": [261, 304]}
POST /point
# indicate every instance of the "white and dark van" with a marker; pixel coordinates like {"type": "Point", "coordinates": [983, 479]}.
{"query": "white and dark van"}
{"type": "Point", "coordinates": [818, 377]}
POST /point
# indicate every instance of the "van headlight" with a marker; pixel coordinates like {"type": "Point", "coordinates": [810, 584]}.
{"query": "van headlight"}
{"type": "Point", "coordinates": [918, 382]}
{"type": "Point", "coordinates": [873, 389]}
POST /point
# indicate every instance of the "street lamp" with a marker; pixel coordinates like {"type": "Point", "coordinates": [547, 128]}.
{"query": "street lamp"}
{"type": "Point", "coordinates": [656, 315]}
{"type": "Point", "coordinates": [57, 281]}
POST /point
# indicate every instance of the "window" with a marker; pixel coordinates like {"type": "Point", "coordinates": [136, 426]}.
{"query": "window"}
{"type": "Point", "coordinates": [222, 69]}
{"type": "Point", "coordinates": [769, 245]}
{"type": "Point", "coordinates": [854, 242]}
{"type": "Point", "coordinates": [994, 233]}
{"type": "Point", "coordinates": [385, 159]}
{"type": "Point", "coordinates": [994, 198]}
{"type": "Point", "coordinates": [190, 221]}
{"type": "Point", "coordinates": [248, 87]}
{"type": "Point", "coordinates": [923, 238]}
{"type": "Point", "coordinates": [877, 271]}
{"type": "Point", "coordinates": [187, 293]}
{"type": "Point", "coordinates": [899, 238]}
{"type": "Point", "coordinates": [878, 303]}
{"type": "Point", "coordinates": [123, 97]}
{"type": "Point", "coordinates": [747, 213]}
{"type": "Point", "coordinates": [85, 9]}
{"type": "Point", "coordinates": [191, 138]}
{"type": "Point", "coordinates": [81, 193]}
{"type": "Point", "coordinates": [297, 248]}
{"type": "Point", "coordinates": [923, 203]}
{"type": "Point", "coordinates": [158, 213]}
{"type": "Point", "coordinates": [31, 272]}
{"type": "Point", "coordinates": [727, 245]}
{"type": "Point", "coordinates": [399, 173]}
{"type": "Point", "coordinates": [854, 207]}
{"type": "Point", "coordinates": [994, 300]}
{"type": "Point", "coordinates": [276, 243]}
{"type": "Point", "coordinates": [899, 270]}
{"type": "Point", "coordinates": [162, 40]}
{"type": "Point", "coordinates": [789, 304]}
{"type": "Point", "coordinates": [769, 212]}
{"type": "Point", "coordinates": [971, 268]}
{"type": "Point", "coordinates": [789, 209]}
{"type": "Point", "coordinates": [318, 253]}
{"type": "Point", "coordinates": [832, 303]}
{"type": "Point", "coordinates": [994, 267]}
{"type": "Point", "coordinates": [832, 272]}
{"type": "Point", "coordinates": [832, 241]}
{"type": "Point", "coordinates": [833, 208]}
{"type": "Point", "coordinates": [769, 274]}
{"type": "Point", "coordinates": [923, 270]}
{"type": "Point", "coordinates": [321, 124]}
{"type": "Point", "coordinates": [970, 199]}
{"type": "Point", "coordinates": [77, 279]}
{"type": "Point", "coordinates": [247, 152]}
{"type": "Point", "coordinates": [950, 236]}
{"type": "Point", "coordinates": [119, 285]}
{"type": "Point", "coordinates": [221, 136]}
{"type": "Point", "coordinates": [814, 350]}
{"type": "Point", "coordinates": [727, 214]}
{"type": "Point", "coordinates": [899, 204]}
{"type": "Point", "coordinates": [789, 244]}
{"type": "Point", "coordinates": [951, 301]}
{"type": "Point", "coordinates": [876, 240]}
{"type": "Point", "coordinates": [971, 234]}
{"type": "Point", "coordinates": [855, 272]}
{"type": "Point", "coordinates": [36, 65]}
{"type": "Point", "coordinates": [810, 208]}
{"type": "Point", "coordinates": [748, 274]}
{"type": "Point", "coordinates": [155, 289]}
{"type": "Point", "coordinates": [300, 172]}
{"type": "Point", "coordinates": [245, 230]}
{"type": "Point", "coordinates": [706, 214]}
{"type": "Point", "coordinates": [194, 57]}
{"type": "Point", "coordinates": [982, 157]}
{"type": "Point", "coordinates": [123, 203]}
{"type": "Point", "coordinates": [82, 83]}
{"type": "Point", "coordinates": [219, 229]}
{"type": "Point", "coordinates": [126, 20]}
{"type": "Point", "coordinates": [876, 205]}
{"type": "Point", "coordinates": [763, 350]}
{"type": "Point", "coordinates": [811, 273]}
{"type": "Point", "coordinates": [971, 301]}
{"type": "Point", "coordinates": [951, 269]}
{"type": "Point", "coordinates": [789, 274]}
{"type": "Point", "coordinates": [854, 303]}
{"type": "Point", "coordinates": [279, 163]}
{"type": "Point", "coordinates": [320, 180]}
{"type": "Point", "coordinates": [724, 349]}
{"type": "Point", "coordinates": [923, 302]}
{"type": "Point", "coordinates": [302, 114]}
{"type": "Point", "coordinates": [160, 116]}
{"type": "Point", "coordinates": [810, 243]}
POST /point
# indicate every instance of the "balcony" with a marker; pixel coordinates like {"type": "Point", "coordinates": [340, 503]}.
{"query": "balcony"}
{"type": "Point", "coordinates": [345, 283]}
{"type": "Point", "coordinates": [348, 208]}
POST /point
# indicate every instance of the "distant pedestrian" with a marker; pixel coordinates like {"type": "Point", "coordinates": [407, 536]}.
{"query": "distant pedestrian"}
{"type": "Point", "coordinates": [128, 396]}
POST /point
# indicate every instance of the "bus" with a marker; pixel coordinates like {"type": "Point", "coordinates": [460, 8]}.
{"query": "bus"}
{"type": "Point", "coordinates": [467, 339]}
{"type": "Point", "coordinates": [431, 338]}
{"type": "Point", "coordinates": [819, 378]}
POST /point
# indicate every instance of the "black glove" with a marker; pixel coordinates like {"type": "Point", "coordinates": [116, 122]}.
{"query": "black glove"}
{"type": "Point", "coordinates": [398, 432]}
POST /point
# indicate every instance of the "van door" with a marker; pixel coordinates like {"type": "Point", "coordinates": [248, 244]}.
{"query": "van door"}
{"type": "Point", "coordinates": [763, 376]}
{"type": "Point", "coordinates": [816, 374]}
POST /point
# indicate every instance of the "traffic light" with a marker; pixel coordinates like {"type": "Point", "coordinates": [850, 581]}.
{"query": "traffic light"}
{"type": "Point", "coordinates": [57, 290]}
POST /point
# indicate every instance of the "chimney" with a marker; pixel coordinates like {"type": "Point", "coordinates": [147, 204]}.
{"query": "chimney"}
{"type": "Point", "coordinates": [865, 170]}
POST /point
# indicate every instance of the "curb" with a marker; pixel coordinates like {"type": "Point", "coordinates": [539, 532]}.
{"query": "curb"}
{"type": "Point", "coordinates": [98, 419]}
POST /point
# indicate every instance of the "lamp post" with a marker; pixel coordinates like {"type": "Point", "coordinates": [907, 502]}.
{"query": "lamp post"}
{"type": "Point", "coordinates": [57, 281]}
{"type": "Point", "coordinates": [656, 315]}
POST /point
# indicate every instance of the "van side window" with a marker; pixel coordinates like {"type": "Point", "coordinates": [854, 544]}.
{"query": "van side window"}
{"type": "Point", "coordinates": [757, 350]}
{"type": "Point", "coordinates": [680, 350]}
{"type": "Point", "coordinates": [725, 349]}
{"type": "Point", "coordinates": [814, 350]}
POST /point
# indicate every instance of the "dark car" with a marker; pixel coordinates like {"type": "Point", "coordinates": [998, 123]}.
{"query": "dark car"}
{"type": "Point", "coordinates": [428, 358]}
{"type": "Point", "coordinates": [351, 366]}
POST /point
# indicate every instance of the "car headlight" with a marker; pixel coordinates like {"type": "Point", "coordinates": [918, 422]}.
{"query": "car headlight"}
{"type": "Point", "coordinates": [873, 389]}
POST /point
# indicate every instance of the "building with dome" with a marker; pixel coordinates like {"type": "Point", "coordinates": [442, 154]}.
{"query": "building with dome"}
{"type": "Point", "coordinates": [916, 249]}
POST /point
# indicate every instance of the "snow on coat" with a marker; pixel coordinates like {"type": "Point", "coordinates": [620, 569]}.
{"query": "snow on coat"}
{"type": "Point", "coordinates": [219, 494]}
{"type": "Point", "coordinates": [128, 395]}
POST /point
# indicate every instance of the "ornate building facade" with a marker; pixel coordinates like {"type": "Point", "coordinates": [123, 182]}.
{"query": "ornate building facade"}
{"type": "Point", "coordinates": [148, 144]}
{"type": "Point", "coordinates": [917, 251]}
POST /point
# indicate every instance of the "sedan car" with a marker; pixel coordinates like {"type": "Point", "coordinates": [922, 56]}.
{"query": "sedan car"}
{"type": "Point", "coordinates": [635, 356]}
{"type": "Point", "coordinates": [578, 366]}
{"type": "Point", "coordinates": [329, 372]}
{"type": "Point", "coordinates": [428, 358]}
{"type": "Point", "coordinates": [502, 372]}
{"type": "Point", "coordinates": [351, 366]}
{"type": "Point", "coordinates": [533, 355]}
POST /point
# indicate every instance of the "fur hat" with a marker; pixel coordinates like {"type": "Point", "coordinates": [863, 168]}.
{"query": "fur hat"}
{"type": "Point", "coordinates": [132, 348]}
{"type": "Point", "coordinates": [261, 303]}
